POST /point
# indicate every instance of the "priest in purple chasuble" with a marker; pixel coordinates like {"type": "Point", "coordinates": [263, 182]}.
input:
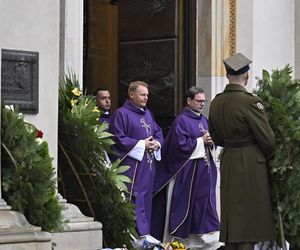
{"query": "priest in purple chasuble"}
{"type": "Point", "coordinates": [187, 176]}
{"type": "Point", "coordinates": [103, 102]}
{"type": "Point", "coordinates": [138, 141]}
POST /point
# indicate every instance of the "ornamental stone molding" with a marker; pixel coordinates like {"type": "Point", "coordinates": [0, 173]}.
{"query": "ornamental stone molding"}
{"type": "Point", "coordinates": [232, 27]}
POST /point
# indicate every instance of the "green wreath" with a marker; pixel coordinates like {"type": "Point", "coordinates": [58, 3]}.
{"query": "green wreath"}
{"type": "Point", "coordinates": [281, 96]}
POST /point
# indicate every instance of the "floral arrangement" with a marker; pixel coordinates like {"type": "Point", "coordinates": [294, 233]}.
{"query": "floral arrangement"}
{"type": "Point", "coordinates": [174, 245]}
{"type": "Point", "coordinates": [28, 182]}
{"type": "Point", "coordinates": [281, 96]}
{"type": "Point", "coordinates": [87, 178]}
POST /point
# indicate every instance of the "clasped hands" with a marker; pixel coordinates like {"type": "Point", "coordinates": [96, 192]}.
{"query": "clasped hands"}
{"type": "Point", "coordinates": [151, 144]}
{"type": "Point", "coordinates": [207, 139]}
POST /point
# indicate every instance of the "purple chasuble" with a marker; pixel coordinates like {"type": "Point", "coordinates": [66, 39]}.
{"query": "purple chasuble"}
{"type": "Point", "coordinates": [193, 205]}
{"type": "Point", "coordinates": [129, 124]}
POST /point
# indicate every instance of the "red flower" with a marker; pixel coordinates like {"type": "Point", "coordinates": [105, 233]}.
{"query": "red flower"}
{"type": "Point", "coordinates": [39, 134]}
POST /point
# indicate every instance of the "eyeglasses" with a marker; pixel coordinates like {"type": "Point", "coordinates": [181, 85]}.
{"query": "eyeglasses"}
{"type": "Point", "coordinates": [200, 101]}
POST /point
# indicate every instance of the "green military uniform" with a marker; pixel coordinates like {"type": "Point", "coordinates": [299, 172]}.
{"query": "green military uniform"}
{"type": "Point", "coordinates": [238, 122]}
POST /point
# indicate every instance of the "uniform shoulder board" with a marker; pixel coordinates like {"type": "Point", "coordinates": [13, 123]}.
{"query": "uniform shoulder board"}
{"type": "Point", "coordinates": [252, 94]}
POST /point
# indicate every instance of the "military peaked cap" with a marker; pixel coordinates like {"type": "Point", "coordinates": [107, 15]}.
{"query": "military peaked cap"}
{"type": "Point", "coordinates": [237, 64]}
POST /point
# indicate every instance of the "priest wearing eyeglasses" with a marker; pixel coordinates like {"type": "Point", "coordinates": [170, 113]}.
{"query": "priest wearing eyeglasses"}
{"type": "Point", "coordinates": [186, 178]}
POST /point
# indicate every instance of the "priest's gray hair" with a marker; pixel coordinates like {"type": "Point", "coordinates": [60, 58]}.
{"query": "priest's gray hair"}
{"type": "Point", "coordinates": [192, 91]}
{"type": "Point", "coordinates": [134, 85]}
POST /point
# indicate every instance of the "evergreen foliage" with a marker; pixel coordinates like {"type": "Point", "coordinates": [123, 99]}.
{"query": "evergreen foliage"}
{"type": "Point", "coordinates": [27, 175]}
{"type": "Point", "coordinates": [87, 179]}
{"type": "Point", "coordinates": [281, 96]}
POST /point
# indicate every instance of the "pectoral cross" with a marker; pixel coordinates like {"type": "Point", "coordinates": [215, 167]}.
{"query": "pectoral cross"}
{"type": "Point", "coordinates": [150, 155]}
{"type": "Point", "coordinates": [146, 126]}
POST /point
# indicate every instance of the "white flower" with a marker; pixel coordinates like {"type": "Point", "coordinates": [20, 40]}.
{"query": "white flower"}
{"type": "Point", "coordinates": [39, 141]}
{"type": "Point", "coordinates": [10, 107]}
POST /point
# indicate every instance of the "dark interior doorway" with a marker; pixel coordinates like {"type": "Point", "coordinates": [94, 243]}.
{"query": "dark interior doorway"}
{"type": "Point", "coordinates": [152, 41]}
{"type": "Point", "coordinates": [100, 62]}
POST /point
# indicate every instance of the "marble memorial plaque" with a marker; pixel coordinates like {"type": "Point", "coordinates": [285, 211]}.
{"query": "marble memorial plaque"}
{"type": "Point", "coordinates": [19, 79]}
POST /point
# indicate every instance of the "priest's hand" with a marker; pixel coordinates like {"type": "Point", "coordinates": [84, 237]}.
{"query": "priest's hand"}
{"type": "Point", "coordinates": [207, 139]}
{"type": "Point", "coordinates": [150, 144]}
{"type": "Point", "coordinates": [156, 145]}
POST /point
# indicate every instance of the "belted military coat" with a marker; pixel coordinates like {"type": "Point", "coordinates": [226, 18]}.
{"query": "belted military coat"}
{"type": "Point", "coordinates": [238, 122]}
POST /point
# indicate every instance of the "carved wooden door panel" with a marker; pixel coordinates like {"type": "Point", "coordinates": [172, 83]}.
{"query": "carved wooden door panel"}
{"type": "Point", "coordinates": [100, 58]}
{"type": "Point", "coordinates": [150, 50]}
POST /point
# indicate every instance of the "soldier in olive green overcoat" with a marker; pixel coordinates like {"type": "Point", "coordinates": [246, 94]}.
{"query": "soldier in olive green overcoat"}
{"type": "Point", "coordinates": [238, 122]}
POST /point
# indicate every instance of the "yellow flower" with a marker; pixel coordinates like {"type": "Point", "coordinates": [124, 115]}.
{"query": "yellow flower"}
{"type": "Point", "coordinates": [181, 246]}
{"type": "Point", "coordinates": [76, 92]}
{"type": "Point", "coordinates": [175, 244]}
{"type": "Point", "coordinates": [96, 109]}
{"type": "Point", "coordinates": [73, 101]}
{"type": "Point", "coordinates": [86, 102]}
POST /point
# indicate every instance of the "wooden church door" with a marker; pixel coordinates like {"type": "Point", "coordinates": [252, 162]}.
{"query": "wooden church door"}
{"type": "Point", "coordinates": [153, 48]}
{"type": "Point", "coordinates": [147, 40]}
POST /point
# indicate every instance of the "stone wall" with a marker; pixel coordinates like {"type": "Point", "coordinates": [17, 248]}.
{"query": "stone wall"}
{"type": "Point", "coordinates": [34, 26]}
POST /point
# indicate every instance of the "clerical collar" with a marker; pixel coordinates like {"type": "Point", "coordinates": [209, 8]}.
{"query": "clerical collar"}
{"type": "Point", "coordinates": [106, 112]}
{"type": "Point", "coordinates": [197, 113]}
{"type": "Point", "coordinates": [131, 106]}
{"type": "Point", "coordinates": [143, 109]}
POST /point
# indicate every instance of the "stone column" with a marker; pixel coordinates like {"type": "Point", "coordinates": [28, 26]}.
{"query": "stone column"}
{"type": "Point", "coordinates": [80, 232]}
{"type": "Point", "coordinates": [71, 37]}
{"type": "Point", "coordinates": [215, 41]}
{"type": "Point", "coordinates": [297, 39]}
